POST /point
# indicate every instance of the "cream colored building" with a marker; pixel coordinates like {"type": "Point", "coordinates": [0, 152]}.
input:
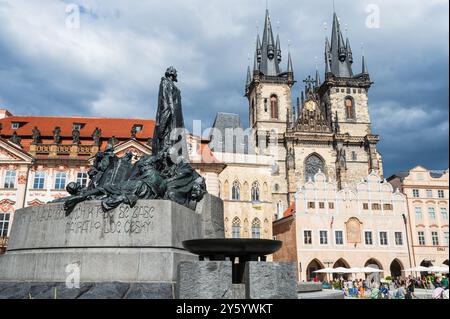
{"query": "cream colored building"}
{"type": "Point", "coordinates": [349, 227]}
{"type": "Point", "coordinates": [428, 209]}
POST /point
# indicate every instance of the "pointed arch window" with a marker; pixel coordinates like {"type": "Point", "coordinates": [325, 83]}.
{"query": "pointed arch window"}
{"type": "Point", "coordinates": [236, 228]}
{"type": "Point", "coordinates": [350, 108]}
{"type": "Point", "coordinates": [236, 191]}
{"type": "Point", "coordinates": [313, 164]}
{"type": "Point", "coordinates": [274, 106]}
{"type": "Point", "coordinates": [255, 192]}
{"type": "Point", "coordinates": [256, 229]}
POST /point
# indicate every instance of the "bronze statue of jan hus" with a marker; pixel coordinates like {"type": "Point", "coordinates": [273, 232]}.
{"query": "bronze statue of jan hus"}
{"type": "Point", "coordinates": [169, 129]}
{"type": "Point", "coordinates": [163, 175]}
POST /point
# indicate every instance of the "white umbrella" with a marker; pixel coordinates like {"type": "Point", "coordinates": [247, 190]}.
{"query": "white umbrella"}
{"type": "Point", "coordinates": [342, 270]}
{"type": "Point", "coordinates": [370, 270]}
{"type": "Point", "coordinates": [325, 271]}
{"type": "Point", "coordinates": [418, 269]}
{"type": "Point", "coordinates": [439, 269]}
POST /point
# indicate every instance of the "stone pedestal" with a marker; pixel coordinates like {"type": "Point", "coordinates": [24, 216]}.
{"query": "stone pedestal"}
{"type": "Point", "coordinates": [204, 280]}
{"type": "Point", "coordinates": [270, 280]}
{"type": "Point", "coordinates": [132, 245]}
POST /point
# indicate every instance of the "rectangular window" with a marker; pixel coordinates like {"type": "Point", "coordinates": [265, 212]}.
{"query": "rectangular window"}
{"type": "Point", "coordinates": [441, 193]}
{"type": "Point", "coordinates": [421, 236]}
{"type": "Point", "coordinates": [15, 126]}
{"type": "Point", "coordinates": [383, 238]}
{"type": "Point", "coordinates": [398, 238]}
{"type": "Point", "coordinates": [429, 193]}
{"type": "Point", "coordinates": [416, 193]}
{"type": "Point", "coordinates": [331, 205]}
{"type": "Point", "coordinates": [387, 207]}
{"type": "Point", "coordinates": [376, 207]}
{"type": "Point", "coordinates": [432, 213]}
{"type": "Point", "coordinates": [435, 238]}
{"type": "Point", "coordinates": [446, 238]}
{"type": "Point", "coordinates": [311, 205]}
{"type": "Point", "coordinates": [365, 206]}
{"type": "Point", "coordinates": [418, 211]}
{"type": "Point", "coordinates": [82, 179]}
{"type": "Point", "coordinates": [10, 179]}
{"type": "Point", "coordinates": [4, 224]}
{"type": "Point", "coordinates": [368, 238]}
{"type": "Point", "coordinates": [444, 213]}
{"type": "Point", "coordinates": [60, 180]}
{"type": "Point", "coordinates": [323, 237]}
{"type": "Point", "coordinates": [307, 237]}
{"type": "Point", "coordinates": [39, 180]}
{"type": "Point", "coordinates": [339, 237]}
{"type": "Point", "coordinates": [321, 205]}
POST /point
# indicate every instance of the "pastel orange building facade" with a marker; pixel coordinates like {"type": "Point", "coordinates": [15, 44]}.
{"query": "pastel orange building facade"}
{"type": "Point", "coordinates": [428, 204]}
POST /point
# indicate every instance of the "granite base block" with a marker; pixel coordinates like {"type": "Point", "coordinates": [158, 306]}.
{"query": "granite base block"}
{"type": "Point", "coordinates": [204, 280]}
{"type": "Point", "coordinates": [270, 280]}
{"type": "Point", "coordinates": [113, 290]}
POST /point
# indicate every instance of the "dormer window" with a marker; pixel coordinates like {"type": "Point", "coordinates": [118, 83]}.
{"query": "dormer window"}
{"type": "Point", "coordinates": [138, 128]}
{"type": "Point", "coordinates": [15, 126]}
{"type": "Point", "coordinates": [78, 126]}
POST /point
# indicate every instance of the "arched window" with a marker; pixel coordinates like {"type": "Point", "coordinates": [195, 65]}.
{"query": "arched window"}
{"type": "Point", "coordinates": [350, 108]}
{"type": "Point", "coordinates": [236, 191]}
{"type": "Point", "coordinates": [313, 164]}
{"type": "Point", "coordinates": [236, 228]}
{"type": "Point", "coordinates": [256, 229]}
{"type": "Point", "coordinates": [255, 192]}
{"type": "Point", "coordinates": [274, 106]}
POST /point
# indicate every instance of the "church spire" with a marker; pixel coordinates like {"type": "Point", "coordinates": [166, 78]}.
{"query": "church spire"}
{"type": "Point", "coordinates": [340, 62]}
{"type": "Point", "coordinates": [270, 51]}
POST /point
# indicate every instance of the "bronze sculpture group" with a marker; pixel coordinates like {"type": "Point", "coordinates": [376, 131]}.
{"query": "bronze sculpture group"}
{"type": "Point", "coordinates": [166, 174]}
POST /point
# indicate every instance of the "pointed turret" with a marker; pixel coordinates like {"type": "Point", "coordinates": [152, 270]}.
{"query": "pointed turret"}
{"type": "Point", "coordinates": [290, 68]}
{"type": "Point", "coordinates": [256, 64]}
{"type": "Point", "coordinates": [258, 49]}
{"type": "Point", "coordinates": [278, 49]}
{"type": "Point", "coordinates": [349, 51]}
{"type": "Point", "coordinates": [317, 78]}
{"type": "Point", "coordinates": [249, 78]}
{"type": "Point", "coordinates": [365, 70]}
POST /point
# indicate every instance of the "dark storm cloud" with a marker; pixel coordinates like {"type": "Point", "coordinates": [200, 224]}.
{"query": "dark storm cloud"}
{"type": "Point", "coordinates": [112, 64]}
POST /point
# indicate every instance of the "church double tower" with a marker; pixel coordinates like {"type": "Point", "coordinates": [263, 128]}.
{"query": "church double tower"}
{"type": "Point", "coordinates": [329, 128]}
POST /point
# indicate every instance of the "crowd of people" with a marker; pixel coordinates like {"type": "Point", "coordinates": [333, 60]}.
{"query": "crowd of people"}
{"type": "Point", "coordinates": [397, 288]}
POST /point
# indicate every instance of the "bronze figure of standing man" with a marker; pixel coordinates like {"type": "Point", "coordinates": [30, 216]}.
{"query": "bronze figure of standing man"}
{"type": "Point", "coordinates": [169, 128]}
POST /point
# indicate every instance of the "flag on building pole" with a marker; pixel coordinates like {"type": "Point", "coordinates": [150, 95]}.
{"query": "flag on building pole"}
{"type": "Point", "coordinates": [332, 222]}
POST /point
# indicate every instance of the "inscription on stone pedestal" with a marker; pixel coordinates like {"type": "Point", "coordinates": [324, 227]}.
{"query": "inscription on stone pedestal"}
{"type": "Point", "coordinates": [89, 220]}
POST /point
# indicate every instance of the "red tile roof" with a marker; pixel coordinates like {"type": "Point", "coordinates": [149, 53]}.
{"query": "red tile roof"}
{"type": "Point", "coordinates": [120, 128]}
{"type": "Point", "coordinates": [290, 211]}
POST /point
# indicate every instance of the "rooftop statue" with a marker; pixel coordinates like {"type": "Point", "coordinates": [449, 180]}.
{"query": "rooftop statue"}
{"type": "Point", "coordinates": [163, 175]}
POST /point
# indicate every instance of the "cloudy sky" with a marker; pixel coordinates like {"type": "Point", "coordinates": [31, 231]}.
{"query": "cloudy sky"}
{"type": "Point", "coordinates": [111, 63]}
